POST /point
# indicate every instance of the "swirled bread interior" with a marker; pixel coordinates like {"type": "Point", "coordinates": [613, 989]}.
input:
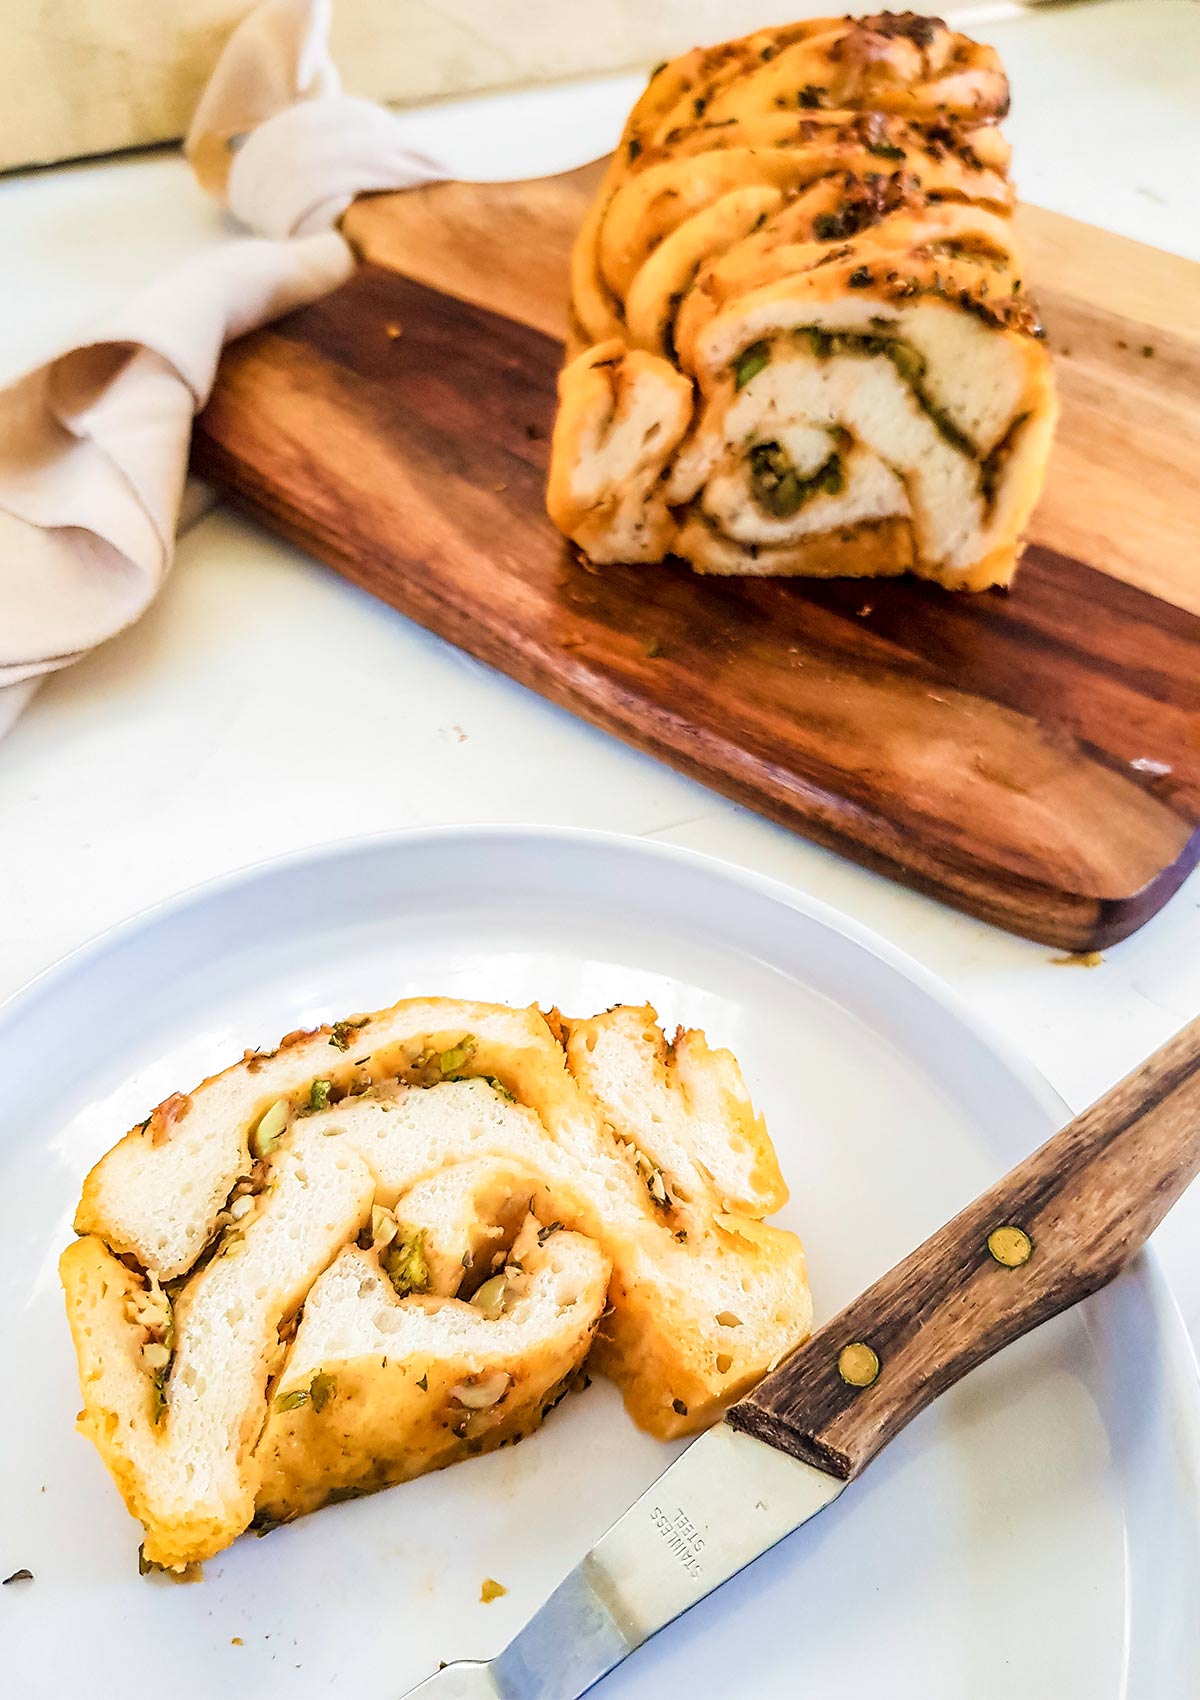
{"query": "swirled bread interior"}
{"type": "Point", "coordinates": [392, 1243]}
{"type": "Point", "coordinates": [802, 339]}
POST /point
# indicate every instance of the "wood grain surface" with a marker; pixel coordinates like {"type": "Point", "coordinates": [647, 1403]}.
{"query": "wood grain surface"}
{"type": "Point", "coordinates": [1081, 1207]}
{"type": "Point", "coordinates": [1032, 758]}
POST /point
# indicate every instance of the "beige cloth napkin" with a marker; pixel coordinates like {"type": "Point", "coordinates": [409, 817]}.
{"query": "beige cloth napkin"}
{"type": "Point", "coordinates": [94, 444]}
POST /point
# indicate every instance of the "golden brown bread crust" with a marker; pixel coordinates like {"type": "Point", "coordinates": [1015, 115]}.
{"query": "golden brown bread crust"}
{"type": "Point", "coordinates": [831, 170]}
{"type": "Point", "coordinates": [883, 549]}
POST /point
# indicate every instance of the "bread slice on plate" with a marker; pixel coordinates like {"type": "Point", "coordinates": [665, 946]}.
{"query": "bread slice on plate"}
{"type": "Point", "coordinates": [394, 1242]}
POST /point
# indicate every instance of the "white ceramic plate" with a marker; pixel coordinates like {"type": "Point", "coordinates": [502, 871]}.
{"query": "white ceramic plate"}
{"type": "Point", "coordinates": [1034, 1534]}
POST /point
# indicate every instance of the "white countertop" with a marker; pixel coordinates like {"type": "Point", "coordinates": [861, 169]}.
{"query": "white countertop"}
{"type": "Point", "coordinates": [196, 742]}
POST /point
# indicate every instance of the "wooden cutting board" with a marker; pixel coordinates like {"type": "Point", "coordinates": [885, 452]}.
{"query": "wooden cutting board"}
{"type": "Point", "coordinates": [1033, 757]}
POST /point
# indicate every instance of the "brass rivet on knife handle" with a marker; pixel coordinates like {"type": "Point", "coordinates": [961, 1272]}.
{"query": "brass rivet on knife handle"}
{"type": "Point", "coordinates": [1068, 1218]}
{"type": "Point", "coordinates": [1010, 1245]}
{"type": "Point", "coordinates": [858, 1365]}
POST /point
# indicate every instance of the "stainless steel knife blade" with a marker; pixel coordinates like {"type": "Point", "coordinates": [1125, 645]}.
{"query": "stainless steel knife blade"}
{"type": "Point", "coordinates": [724, 1501]}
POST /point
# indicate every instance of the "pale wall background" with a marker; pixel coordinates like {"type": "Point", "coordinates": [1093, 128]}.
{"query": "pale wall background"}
{"type": "Point", "coordinates": [84, 77]}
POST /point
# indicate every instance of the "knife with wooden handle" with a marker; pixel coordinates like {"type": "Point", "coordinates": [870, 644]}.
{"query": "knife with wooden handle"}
{"type": "Point", "coordinates": [1056, 1228]}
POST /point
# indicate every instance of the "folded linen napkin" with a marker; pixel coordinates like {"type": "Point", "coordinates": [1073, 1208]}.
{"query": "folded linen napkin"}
{"type": "Point", "coordinates": [94, 444]}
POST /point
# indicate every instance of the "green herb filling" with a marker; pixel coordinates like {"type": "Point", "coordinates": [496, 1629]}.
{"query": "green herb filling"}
{"type": "Point", "coordinates": [780, 489]}
{"type": "Point", "coordinates": [404, 1263]}
{"type": "Point", "coordinates": [750, 363]}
